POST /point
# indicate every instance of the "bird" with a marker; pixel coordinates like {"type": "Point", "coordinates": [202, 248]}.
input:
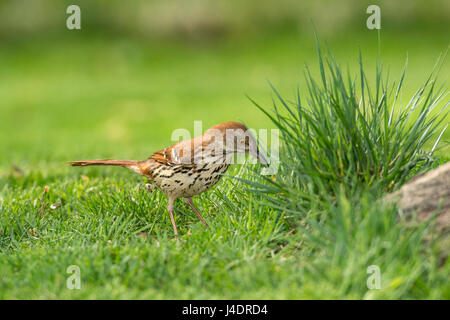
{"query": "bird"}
{"type": "Point", "coordinates": [190, 167]}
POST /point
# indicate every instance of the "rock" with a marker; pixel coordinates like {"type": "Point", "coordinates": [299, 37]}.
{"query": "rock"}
{"type": "Point", "coordinates": [425, 195]}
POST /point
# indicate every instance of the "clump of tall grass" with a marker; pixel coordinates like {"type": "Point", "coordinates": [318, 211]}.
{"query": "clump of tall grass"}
{"type": "Point", "coordinates": [347, 133]}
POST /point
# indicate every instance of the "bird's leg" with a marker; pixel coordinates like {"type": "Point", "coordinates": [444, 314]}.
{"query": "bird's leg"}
{"type": "Point", "coordinates": [170, 206]}
{"type": "Point", "coordinates": [191, 204]}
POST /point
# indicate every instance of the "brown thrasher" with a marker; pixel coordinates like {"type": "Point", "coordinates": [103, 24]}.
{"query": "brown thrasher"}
{"type": "Point", "coordinates": [191, 167]}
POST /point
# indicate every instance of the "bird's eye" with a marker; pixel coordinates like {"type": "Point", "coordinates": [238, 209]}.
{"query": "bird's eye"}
{"type": "Point", "coordinates": [242, 141]}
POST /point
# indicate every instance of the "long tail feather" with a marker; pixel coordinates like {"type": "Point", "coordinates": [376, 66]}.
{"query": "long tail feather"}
{"type": "Point", "coordinates": [107, 162]}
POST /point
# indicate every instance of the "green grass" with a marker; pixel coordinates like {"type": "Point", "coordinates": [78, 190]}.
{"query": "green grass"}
{"type": "Point", "coordinates": [97, 98]}
{"type": "Point", "coordinates": [345, 132]}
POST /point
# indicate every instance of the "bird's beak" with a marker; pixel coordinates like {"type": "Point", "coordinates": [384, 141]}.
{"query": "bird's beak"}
{"type": "Point", "coordinates": [258, 155]}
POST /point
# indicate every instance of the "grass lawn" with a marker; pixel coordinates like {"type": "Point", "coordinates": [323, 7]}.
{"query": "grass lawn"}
{"type": "Point", "coordinates": [85, 98]}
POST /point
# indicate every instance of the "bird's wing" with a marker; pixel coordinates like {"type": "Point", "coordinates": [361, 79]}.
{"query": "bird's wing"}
{"type": "Point", "coordinates": [181, 153]}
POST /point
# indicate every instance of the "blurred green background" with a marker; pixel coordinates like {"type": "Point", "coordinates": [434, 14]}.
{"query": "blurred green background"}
{"type": "Point", "coordinates": [138, 70]}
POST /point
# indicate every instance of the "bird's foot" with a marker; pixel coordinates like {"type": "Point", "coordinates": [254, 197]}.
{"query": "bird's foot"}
{"type": "Point", "coordinates": [179, 239]}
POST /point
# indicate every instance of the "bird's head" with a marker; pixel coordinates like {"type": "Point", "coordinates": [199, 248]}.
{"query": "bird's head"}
{"type": "Point", "coordinates": [235, 137]}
